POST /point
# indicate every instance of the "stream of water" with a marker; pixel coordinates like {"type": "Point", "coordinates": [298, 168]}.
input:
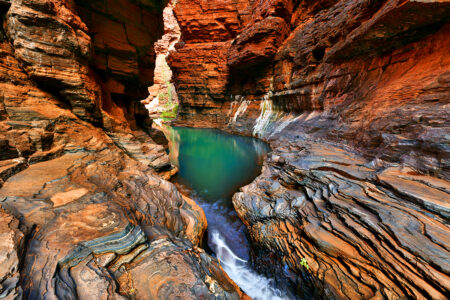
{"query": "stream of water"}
{"type": "Point", "coordinates": [213, 165]}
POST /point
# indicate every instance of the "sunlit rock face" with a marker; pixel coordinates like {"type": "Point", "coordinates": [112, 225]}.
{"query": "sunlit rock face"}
{"type": "Point", "coordinates": [353, 97]}
{"type": "Point", "coordinates": [199, 63]}
{"type": "Point", "coordinates": [84, 211]}
{"type": "Point", "coordinates": [162, 99]}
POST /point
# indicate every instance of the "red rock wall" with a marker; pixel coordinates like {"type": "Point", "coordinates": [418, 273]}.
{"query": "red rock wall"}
{"type": "Point", "coordinates": [123, 36]}
{"type": "Point", "coordinates": [375, 71]}
{"type": "Point", "coordinates": [200, 64]}
{"type": "Point", "coordinates": [68, 188]}
{"type": "Point", "coordinates": [366, 86]}
{"type": "Point", "coordinates": [94, 55]}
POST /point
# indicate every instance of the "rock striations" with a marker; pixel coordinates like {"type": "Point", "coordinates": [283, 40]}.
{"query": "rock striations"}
{"type": "Point", "coordinates": [353, 97]}
{"type": "Point", "coordinates": [84, 212]}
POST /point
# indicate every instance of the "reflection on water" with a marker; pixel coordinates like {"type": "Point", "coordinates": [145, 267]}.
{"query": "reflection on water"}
{"type": "Point", "coordinates": [213, 165]}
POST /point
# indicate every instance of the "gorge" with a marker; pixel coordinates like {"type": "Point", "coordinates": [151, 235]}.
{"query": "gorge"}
{"type": "Point", "coordinates": [350, 202]}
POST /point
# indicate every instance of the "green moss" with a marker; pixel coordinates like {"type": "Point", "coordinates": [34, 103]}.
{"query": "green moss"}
{"type": "Point", "coordinates": [169, 92]}
{"type": "Point", "coordinates": [170, 114]}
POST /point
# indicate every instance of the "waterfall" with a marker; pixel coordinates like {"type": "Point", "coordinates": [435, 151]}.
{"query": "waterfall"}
{"type": "Point", "coordinates": [256, 286]}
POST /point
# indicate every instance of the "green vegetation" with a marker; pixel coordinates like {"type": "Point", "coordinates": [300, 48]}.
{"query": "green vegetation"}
{"type": "Point", "coordinates": [167, 97]}
{"type": "Point", "coordinates": [169, 108]}
{"type": "Point", "coordinates": [304, 263]}
{"type": "Point", "coordinates": [170, 114]}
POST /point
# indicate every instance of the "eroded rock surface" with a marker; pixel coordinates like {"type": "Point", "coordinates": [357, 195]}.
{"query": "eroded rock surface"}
{"type": "Point", "coordinates": [162, 99]}
{"type": "Point", "coordinates": [11, 239]}
{"type": "Point", "coordinates": [84, 211]}
{"type": "Point", "coordinates": [365, 231]}
{"type": "Point", "coordinates": [353, 97]}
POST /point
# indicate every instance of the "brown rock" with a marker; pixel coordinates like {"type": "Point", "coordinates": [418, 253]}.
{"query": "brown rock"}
{"type": "Point", "coordinates": [80, 192]}
{"type": "Point", "coordinates": [257, 43]}
{"type": "Point", "coordinates": [53, 55]}
{"type": "Point", "coordinates": [199, 63]}
{"type": "Point", "coordinates": [370, 77]}
{"type": "Point", "coordinates": [11, 239]}
{"type": "Point", "coordinates": [145, 278]}
{"type": "Point", "coordinates": [360, 240]}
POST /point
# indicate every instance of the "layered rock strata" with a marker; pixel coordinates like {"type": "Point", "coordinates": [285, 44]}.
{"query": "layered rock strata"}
{"type": "Point", "coordinates": [200, 60]}
{"type": "Point", "coordinates": [353, 98]}
{"type": "Point", "coordinates": [83, 212]}
{"type": "Point", "coordinates": [123, 35]}
{"type": "Point", "coordinates": [365, 231]}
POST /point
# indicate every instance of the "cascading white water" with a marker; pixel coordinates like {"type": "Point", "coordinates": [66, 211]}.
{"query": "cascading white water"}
{"type": "Point", "coordinates": [256, 286]}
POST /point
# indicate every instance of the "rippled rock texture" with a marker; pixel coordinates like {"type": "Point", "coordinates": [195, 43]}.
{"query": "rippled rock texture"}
{"type": "Point", "coordinates": [84, 212]}
{"type": "Point", "coordinates": [365, 231]}
{"type": "Point", "coordinates": [353, 97]}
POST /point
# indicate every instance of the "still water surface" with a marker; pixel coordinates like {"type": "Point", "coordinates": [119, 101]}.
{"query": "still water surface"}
{"type": "Point", "coordinates": [213, 165]}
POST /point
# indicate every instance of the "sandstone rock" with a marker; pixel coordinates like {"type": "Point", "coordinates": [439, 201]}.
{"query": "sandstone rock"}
{"type": "Point", "coordinates": [123, 36]}
{"type": "Point", "coordinates": [163, 97]}
{"type": "Point", "coordinates": [370, 77]}
{"type": "Point", "coordinates": [370, 102]}
{"type": "Point", "coordinates": [199, 62]}
{"type": "Point", "coordinates": [360, 240]}
{"type": "Point", "coordinates": [7, 151]}
{"type": "Point", "coordinates": [51, 41]}
{"type": "Point", "coordinates": [87, 197]}
{"type": "Point", "coordinates": [143, 278]}
{"type": "Point", "coordinates": [257, 43]}
{"type": "Point", "coordinates": [11, 239]}
{"type": "Point", "coordinates": [94, 202]}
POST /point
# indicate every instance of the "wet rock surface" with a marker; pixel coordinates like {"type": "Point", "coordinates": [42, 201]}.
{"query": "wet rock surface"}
{"type": "Point", "coordinates": [352, 95]}
{"type": "Point", "coordinates": [353, 98]}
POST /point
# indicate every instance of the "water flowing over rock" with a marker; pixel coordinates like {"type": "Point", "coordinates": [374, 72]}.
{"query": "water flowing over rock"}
{"type": "Point", "coordinates": [353, 98]}
{"type": "Point", "coordinates": [255, 285]}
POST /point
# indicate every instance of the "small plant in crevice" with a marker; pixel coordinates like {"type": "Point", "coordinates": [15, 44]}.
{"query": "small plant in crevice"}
{"type": "Point", "coordinates": [304, 263]}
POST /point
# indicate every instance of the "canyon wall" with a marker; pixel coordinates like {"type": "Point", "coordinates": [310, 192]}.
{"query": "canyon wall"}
{"type": "Point", "coordinates": [353, 97]}
{"type": "Point", "coordinates": [368, 68]}
{"type": "Point", "coordinates": [84, 212]}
